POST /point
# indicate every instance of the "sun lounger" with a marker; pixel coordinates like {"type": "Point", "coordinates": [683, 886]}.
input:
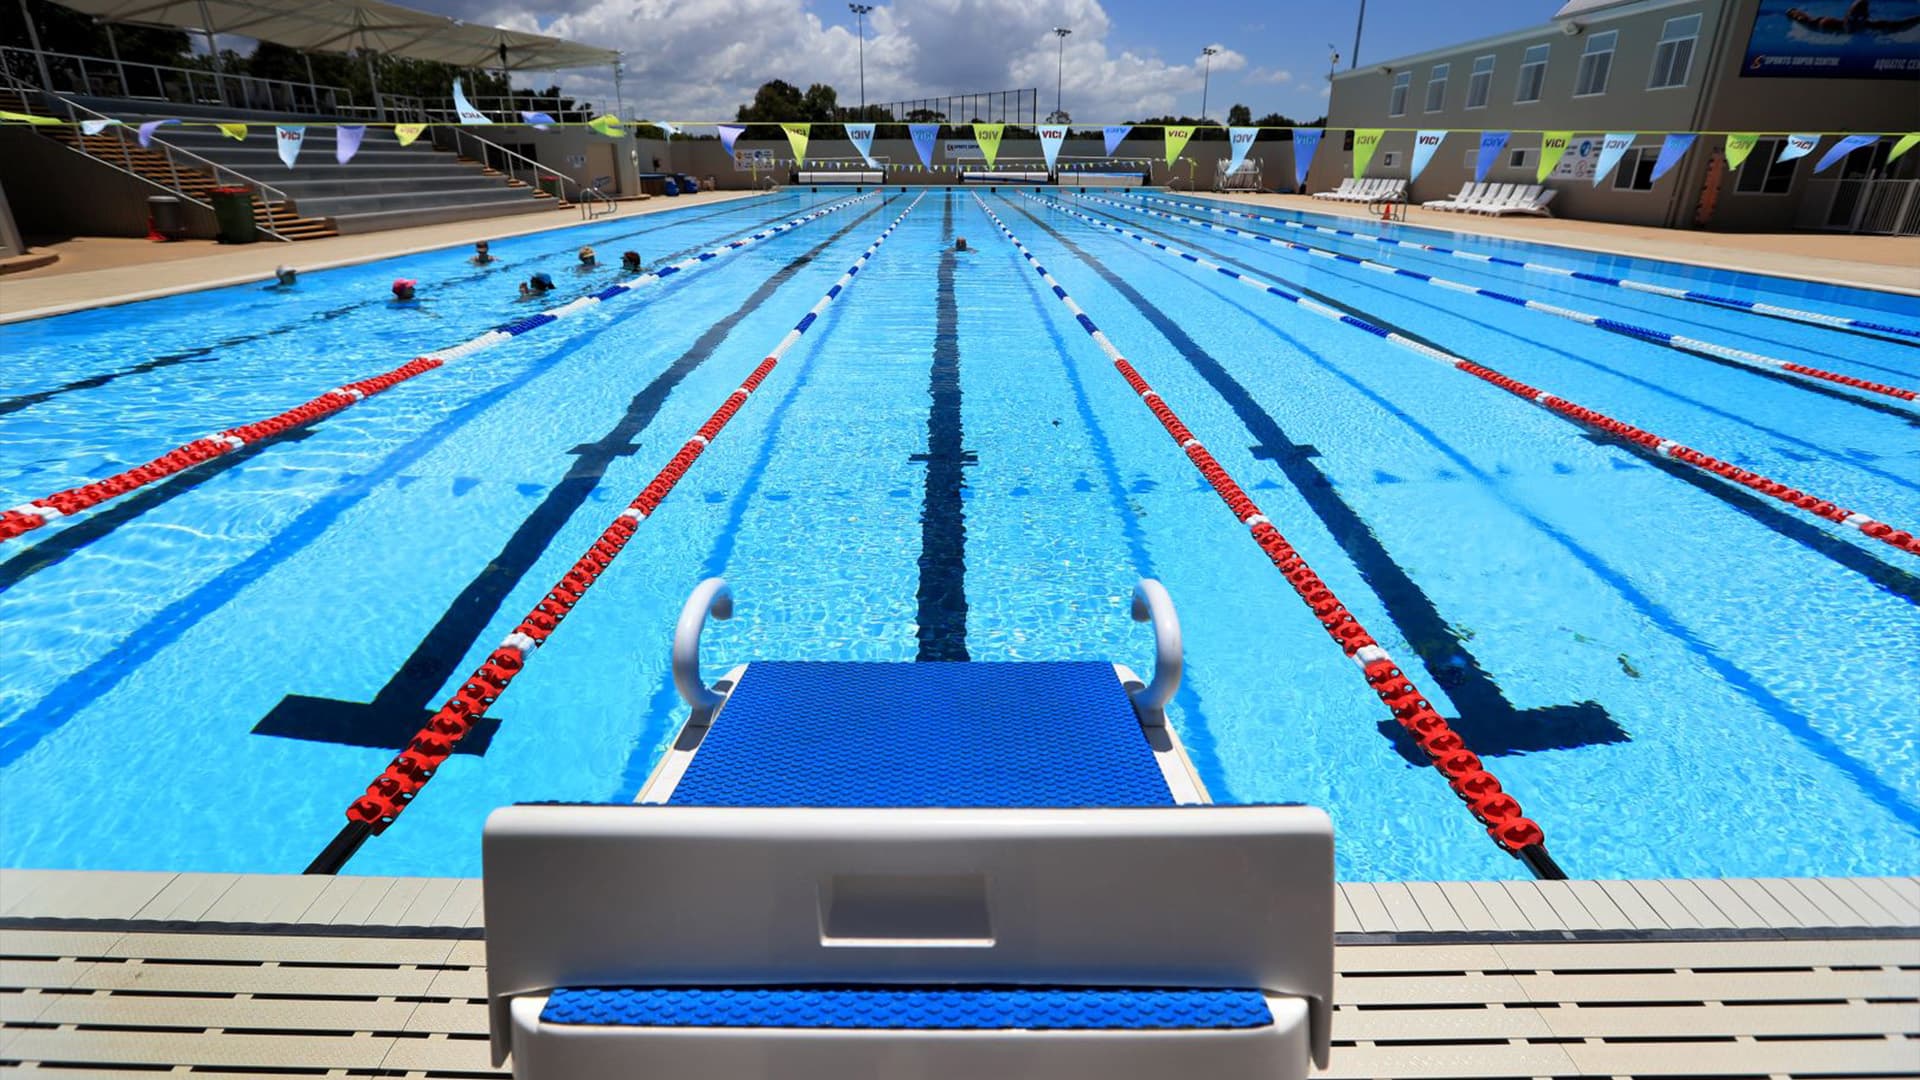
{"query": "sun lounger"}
{"type": "Point", "coordinates": [1346, 188]}
{"type": "Point", "coordinates": [1535, 204]}
{"type": "Point", "coordinates": [1465, 195]}
{"type": "Point", "coordinates": [946, 871]}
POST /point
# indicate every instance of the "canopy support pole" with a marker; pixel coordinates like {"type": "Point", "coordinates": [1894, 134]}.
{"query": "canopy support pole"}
{"type": "Point", "coordinates": [373, 79]}
{"type": "Point", "coordinates": [213, 52]}
{"type": "Point", "coordinates": [113, 50]}
{"type": "Point", "coordinates": [39, 54]}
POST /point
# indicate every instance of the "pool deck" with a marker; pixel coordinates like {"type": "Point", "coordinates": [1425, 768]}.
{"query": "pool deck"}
{"type": "Point", "coordinates": [96, 271]}
{"type": "Point", "coordinates": [1888, 263]}
{"type": "Point", "coordinates": [282, 974]}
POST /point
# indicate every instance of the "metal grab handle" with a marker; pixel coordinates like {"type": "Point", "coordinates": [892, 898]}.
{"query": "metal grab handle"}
{"type": "Point", "coordinates": [712, 596]}
{"type": "Point", "coordinates": [1152, 604]}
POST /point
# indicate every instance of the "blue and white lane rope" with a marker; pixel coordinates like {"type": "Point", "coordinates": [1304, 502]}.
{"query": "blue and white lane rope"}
{"type": "Point", "coordinates": [1902, 539]}
{"type": "Point", "coordinates": [33, 515]}
{"type": "Point", "coordinates": [1508, 826]}
{"type": "Point", "coordinates": [394, 789]}
{"type": "Point", "coordinates": [509, 331]}
{"type": "Point", "coordinates": [1817, 318]}
{"type": "Point", "coordinates": [1742, 357]}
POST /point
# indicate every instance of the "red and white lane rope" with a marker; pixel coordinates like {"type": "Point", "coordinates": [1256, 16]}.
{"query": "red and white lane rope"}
{"type": "Point", "coordinates": [1816, 318]}
{"type": "Point", "coordinates": [1661, 337]}
{"type": "Point", "coordinates": [1465, 773]}
{"type": "Point", "coordinates": [61, 504]}
{"type": "Point", "coordinates": [395, 788]}
{"type": "Point", "coordinates": [1902, 539]}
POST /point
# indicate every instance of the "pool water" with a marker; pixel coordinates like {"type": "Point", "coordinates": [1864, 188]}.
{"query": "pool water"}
{"type": "Point", "coordinates": [1674, 676]}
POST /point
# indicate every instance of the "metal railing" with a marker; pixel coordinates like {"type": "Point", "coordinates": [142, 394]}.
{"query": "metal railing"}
{"type": "Point", "coordinates": [99, 76]}
{"type": "Point", "coordinates": [126, 144]}
{"type": "Point", "coordinates": [463, 141]}
{"type": "Point", "coordinates": [1869, 205]}
{"type": "Point", "coordinates": [595, 203]}
{"type": "Point", "coordinates": [1228, 178]}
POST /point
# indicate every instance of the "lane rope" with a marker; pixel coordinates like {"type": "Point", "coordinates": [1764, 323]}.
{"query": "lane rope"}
{"type": "Point", "coordinates": [1816, 318]}
{"type": "Point", "coordinates": [1742, 357]}
{"type": "Point", "coordinates": [396, 787]}
{"type": "Point", "coordinates": [1498, 811]}
{"type": "Point", "coordinates": [32, 515]}
{"type": "Point", "coordinates": [1902, 539]}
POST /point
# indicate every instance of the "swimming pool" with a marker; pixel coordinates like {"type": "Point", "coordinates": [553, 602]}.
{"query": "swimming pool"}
{"type": "Point", "coordinates": [1674, 675]}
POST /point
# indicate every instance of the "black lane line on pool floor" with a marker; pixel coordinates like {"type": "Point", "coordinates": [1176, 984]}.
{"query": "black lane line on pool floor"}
{"type": "Point", "coordinates": [1807, 533]}
{"type": "Point", "coordinates": [405, 703]}
{"type": "Point", "coordinates": [1351, 275]}
{"type": "Point", "coordinates": [1489, 723]}
{"type": "Point", "coordinates": [205, 353]}
{"type": "Point", "coordinates": [943, 519]}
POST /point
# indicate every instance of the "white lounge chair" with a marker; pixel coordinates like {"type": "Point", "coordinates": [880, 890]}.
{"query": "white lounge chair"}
{"type": "Point", "coordinates": [1346, 188]}
{"type": "Point", "coordinates": [1520, 195]}
{"type": "Point", "coordinates": [973, 916]}
{"type": "Point", "coordinates": [1535, 204]}
{"type": "Point", "coordinates": [1466, 194]}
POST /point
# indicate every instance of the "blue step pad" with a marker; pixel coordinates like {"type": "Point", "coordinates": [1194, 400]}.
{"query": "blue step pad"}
{"type": "Point", "coordinates": [912, 1008]}
{"type": "Point", "coordinates": [850, 734]}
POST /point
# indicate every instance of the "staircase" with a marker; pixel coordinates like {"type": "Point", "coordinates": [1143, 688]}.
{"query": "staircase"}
{"type": "Point", "coordinates": [385, 186]}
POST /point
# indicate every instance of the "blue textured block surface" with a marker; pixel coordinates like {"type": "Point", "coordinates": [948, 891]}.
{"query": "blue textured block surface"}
{"type": "Point", "coordinates": [927, 734]}
{"type": "Point", "coordinates": [912, 1008]}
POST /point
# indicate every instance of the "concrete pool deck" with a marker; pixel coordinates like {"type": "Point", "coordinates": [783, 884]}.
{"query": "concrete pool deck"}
{"type": "Point", "coordinates": [283, 974]}
{"type": "Point", "coordinates": [97, 271]}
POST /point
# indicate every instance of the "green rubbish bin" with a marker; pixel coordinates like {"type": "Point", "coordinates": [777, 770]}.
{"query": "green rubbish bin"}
{"type": "Point", "coordinates": [550, 185]}
{"type": "Point", "coordinates": [233, 214]}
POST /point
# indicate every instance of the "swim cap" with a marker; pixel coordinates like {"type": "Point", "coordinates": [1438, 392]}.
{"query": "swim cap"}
{"type": "Point", "coordinates": [402, 284]}
{"type": "Point", "coordinates": [543, 280]}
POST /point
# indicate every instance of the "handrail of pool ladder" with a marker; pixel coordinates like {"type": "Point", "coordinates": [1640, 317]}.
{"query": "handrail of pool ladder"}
{"type": "Point", "coordinates": [1152, 604]}
{"type": "Point", "coordinates": [711, 597]}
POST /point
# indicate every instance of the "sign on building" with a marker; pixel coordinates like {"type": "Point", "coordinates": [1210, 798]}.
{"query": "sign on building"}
{"type": "Point", "coordinates": [1581, 158]}
{"type": "Point", "coordinates": [1843, 39]}
{"type": "Point", "coordinates": [752, 160]}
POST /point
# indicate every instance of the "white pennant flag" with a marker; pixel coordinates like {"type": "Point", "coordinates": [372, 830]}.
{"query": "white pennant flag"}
{"type": "Point", "coordinates": [729, 133]}
{"type": "Point", "coordinates": [1425, 145]}
{"type": "Point", "coordinates": [1241, 139]}
{"type": "Point", "coordinates": [290, 136]}
{"type": "Point", "coordinates": [1051, 136]}
{"type": "Point", "coordinates": [1612, 149]}
{"type": "Point", "coordinates": [1797, 146]}
{"type": "Point", "coordinates": [467, 113]}
{"type": "Point", "coordinates": [861, 135]}
{"type": "Point", "coordinates": [95, 127]}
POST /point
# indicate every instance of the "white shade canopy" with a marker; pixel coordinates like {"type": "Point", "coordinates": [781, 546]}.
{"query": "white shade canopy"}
{"type": "Point", "coordinates": [344, 25]}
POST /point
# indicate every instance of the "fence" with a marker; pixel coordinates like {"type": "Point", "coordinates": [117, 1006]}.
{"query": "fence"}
{"type": "Point", "coordinates": [96, 76]}
{"type": "Point", "coordinates": [1864, 205]}
{"type": "Point", "coordinates": [991, 106]}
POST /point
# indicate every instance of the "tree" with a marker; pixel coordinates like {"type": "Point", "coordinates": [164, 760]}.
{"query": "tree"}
{"type": "Point", "coordinates": [1239, 116]}
{"type": "Point", "coordinates": [820, 104]}
{"type": "Point", "coordinates": [776, 100]}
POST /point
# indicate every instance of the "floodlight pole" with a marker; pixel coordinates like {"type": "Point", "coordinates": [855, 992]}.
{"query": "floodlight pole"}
{"type": "Point", "coordinates": [860, 31]}
{"type": "Point", "coordinates": [1361, 22]}
{"type": "Point", "coordinates": [1206, 80]}
{"type": "Point", "coordinates": [1059, 69]}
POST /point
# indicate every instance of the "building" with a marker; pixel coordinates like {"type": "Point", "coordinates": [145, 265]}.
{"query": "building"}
{"type": "Point", "coordinates": [1652, 67]}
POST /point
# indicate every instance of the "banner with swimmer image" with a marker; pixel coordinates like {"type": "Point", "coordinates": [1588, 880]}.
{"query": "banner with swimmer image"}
{"type": "Point", "coordinates": [1834, 39]}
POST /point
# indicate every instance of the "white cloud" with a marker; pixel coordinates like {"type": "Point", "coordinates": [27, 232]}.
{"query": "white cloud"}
{"type": "Point", "coordinates": [1269, 75]}
{"type": "Point", "coordinates": [700, 60]}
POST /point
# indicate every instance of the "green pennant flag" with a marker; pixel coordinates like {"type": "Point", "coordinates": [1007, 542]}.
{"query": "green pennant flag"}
{"type": "Point", "coordinates": [1553, 147]}
{"type": "Point", "coordinates": [797, 138]}
{"type": "Point", "coordinates": [1906, 143]}
{"type": "Point", "coordinates": [1177, 141]}
{"type": "Point", "coordinates": [26, 118]}
{"type": "Point", "coordinates": [406, 133]}
{"type": "Point", "coordinates": [1739, 145]}
{"type": "Point", "coordinates": [236, 132]}
{"type": "Point", "coordinates": [608, 125]}
{"type": "Point", "coordinates": [1365, 142]}
{"type": "Point", "coordinates": [988, 136]}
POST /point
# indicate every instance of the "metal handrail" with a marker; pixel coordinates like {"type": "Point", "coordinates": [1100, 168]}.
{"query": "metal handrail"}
{"type": "Point", "coordinates": [587, 196]}
{"type": "Point", "coordinates": [458, 133]}
{"type": "Point", "coordinates": [127, 143]}
{"type": "Point", "coordinates": [80, 73]}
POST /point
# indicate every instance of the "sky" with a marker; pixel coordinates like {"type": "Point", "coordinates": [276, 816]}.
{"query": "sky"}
{"type": "Point", "coordinates": [700, 59]}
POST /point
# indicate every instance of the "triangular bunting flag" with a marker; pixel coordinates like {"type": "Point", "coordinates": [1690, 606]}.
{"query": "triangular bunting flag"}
{"type": "Point", "coordinates": [861, 135]}
{"type": "Point", "coordinates": [1671, 152]}
{"type": "Point", "coordinates": [1365, 142]}
{"type": "Point", "coordinates": [1739, 145]}
{"type": "Point", "coordinates": [346, 141]}
{"type": "Point", "coordinates": [670, 129]}
{"type": "Point", "coordinates": [1906, 143]}
{"type": "Point", "coordinates": [1844, 147]}
{"type": "Point", "coordinates": [467, 113]}
{"type": "Point", "coordinates": [1612, 149]}
{"type": "Point", "coordinates": [95, 127]}
{"type": "Point", "coordinates": [729, 134]}
{"type": "Point", "coordinates": [290, 136]}
{"type": "Point", "coordinates": [25, 118]}
{"type": "Point", "coordinates": [608, 125]}
{"type": "Point", "coordinates": [988, 136]}
{"type": "Point", "coordinates": [1797, 146]}
{"type": "Point", "coordinates": [1240, 140]}
{"type": "Point", "coordinates": [539, 120]}
{"type": "Point", "coordinates": [1116, 134]}
{"type": "Point", "coordinates": [797, 138]}
{"type": "Point", "coordinates": [236, 132]}
{"type": "Point", "coordinates": [406, 133]}
{"type": "Point", "coordinates": [1491, 143]}
{"type": "Point", "coordinates": [923, 137]}
{"type": "Point", "coordinates": [1051, 136]}
{"type": "Point", "coordinates": [145, 134]}
{"type": "Point", "coordinates": [1305, 142]}
{"type": "Point", "coordinates": [1553, 147]}
{"type": "Point", "coordinates": [1177, 141]}
{"type": "Point", "coordinates": [1425, 145]}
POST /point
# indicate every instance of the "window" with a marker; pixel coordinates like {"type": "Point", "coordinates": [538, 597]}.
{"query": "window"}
{"type": "Point", "coordinates": [1437, 87]}
{"type": "Point", "coordinates": [1596, 63]}
{"type": "Point", "coordinates": [1522, 159]}
{"type": "Point", "coordinates": [1675, 53]}
{"type": "Point", "coordinates": [1636, 170]}
{"type": "Point", "coordinates": [1397, 100]}
{"type": "Point", "coordinates": [1481, 83]}
{"type": "Point", "coordinates": [1533, 74]}
{"type": "Point", "coordinates": [1760, 174]}
{"type": "Point", "coordinates": [1389, 158]}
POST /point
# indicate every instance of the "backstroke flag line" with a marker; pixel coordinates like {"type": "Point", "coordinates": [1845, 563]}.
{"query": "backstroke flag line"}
{"type": "Point", "coordinates": [1305, 142]}
{"type": "Point", "coordinates": [467, 113]}
{"type": "Point", "coordinates": [1365, 142]}
{"type": "Point", "coordinates": [1553, 147]}
{"type": "Point", "coordinates": [1491, 143]}
{"type": "Point", "coordinates": [1425, 145]}
{"type": "Point", "coordinates": [861, 135]}
{"type": "Point", "coordinates": [1116, 134]}
{"type": "Point", "coordinates": [290, 136]}
{"type": "Point", "coordinates": [1844, 147]}
{"type": "Point", "coordinates": [1241, 140]}
{"type": "Point", "coordinates": [729, 133]}
{"type": "Point", "coordinates": [1051, 136]}
{"type": "Point", "coordinates": [347, 141]}
{"type": "Point", "coordinates": [1671, 152]}
{"type": "Point", "coordinates": [988, 136]}
{"type": "Point", "coordinates": [797, 138]}
{"type": "Point", "coordinates": [1612, 149]}
{"type": "Point", "coordinates": [923, 139]}
{"type": "Point", "coordinates": [1177, 141]}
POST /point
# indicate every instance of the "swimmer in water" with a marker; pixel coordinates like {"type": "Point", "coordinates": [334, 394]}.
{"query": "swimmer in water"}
{"type": "Point", "coordinates": [588, 260]}
{"type": "Point", "coordinates": [1859, 17]}
{"type": "Point", "coordinates": [403, 290]}
{"type": "Point", "coordinates": [960, 244]}
{"type": "Point", "coordinates": [630, 261]}
{"type": "Point", "coordinates": [481, 256]}
{"type": "Point", "coordinates": [540, 284]}
{"type": "Point", "coordinates": [284, 277]}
